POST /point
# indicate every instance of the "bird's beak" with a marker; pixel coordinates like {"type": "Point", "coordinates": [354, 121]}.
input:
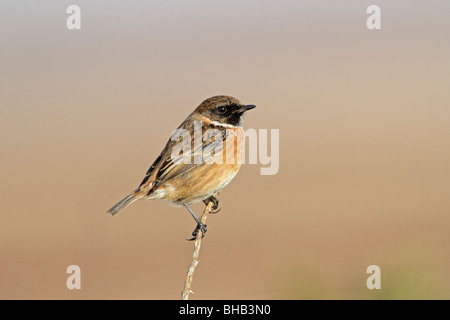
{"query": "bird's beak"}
{"type": "Point", "coordinates": [245, 108]}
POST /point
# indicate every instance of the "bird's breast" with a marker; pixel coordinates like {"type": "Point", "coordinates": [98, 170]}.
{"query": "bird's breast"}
{"type": "Point", "coordinates": [209, 177]}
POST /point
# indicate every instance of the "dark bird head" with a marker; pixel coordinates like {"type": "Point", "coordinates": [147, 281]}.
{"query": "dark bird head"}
{"type": "Point", "coordinates": [223, 110]}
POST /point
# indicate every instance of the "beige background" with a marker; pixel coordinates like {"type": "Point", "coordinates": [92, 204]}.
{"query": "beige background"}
{"type": "Point", "coordinates": [364, 119]}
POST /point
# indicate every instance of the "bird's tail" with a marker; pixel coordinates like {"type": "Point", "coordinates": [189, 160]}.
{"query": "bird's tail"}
{"type": "Point", "coordinates": [123, 203]}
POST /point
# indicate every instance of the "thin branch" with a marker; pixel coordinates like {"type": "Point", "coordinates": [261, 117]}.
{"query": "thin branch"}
{"type": "Point", "coordinates": [195, 255]}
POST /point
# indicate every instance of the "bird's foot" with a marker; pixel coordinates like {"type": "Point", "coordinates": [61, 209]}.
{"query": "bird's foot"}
{"type": "Point", "coordinates": [215, 208]}
{"type": "Point", "coordinates": [202, 228]}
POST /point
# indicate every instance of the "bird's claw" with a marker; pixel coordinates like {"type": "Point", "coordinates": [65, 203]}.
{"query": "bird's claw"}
{"type": "Point", "coordinates": [214, 210]}
{"type": "Point", "coordinates": [202, 228]}
{"type": "Point", "coordinates": [215, 207]}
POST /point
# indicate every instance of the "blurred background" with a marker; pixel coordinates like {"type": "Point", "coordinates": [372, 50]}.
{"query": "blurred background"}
{"type": "Point", "coordinates": [364, 120]}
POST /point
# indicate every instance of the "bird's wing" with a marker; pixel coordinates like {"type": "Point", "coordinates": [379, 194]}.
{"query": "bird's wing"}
{"type": "Point", "coordinates": [174, 167]}
{"type": "Point", "coordinates": [166, 167]}
{"type": "Point", "coordinates": [150, 170]}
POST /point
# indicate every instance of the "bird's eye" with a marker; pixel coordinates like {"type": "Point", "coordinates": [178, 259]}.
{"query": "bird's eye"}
{"type": "Point", "coordinates": [222, 110]}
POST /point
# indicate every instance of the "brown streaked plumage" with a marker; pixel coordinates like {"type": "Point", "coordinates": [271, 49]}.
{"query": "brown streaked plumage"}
{"type": "Point", "coordinates": [214, 132]}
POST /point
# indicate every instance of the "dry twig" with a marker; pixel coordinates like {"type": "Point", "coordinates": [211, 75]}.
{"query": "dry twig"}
{"type": "Point", "coordinates": [195, 255]}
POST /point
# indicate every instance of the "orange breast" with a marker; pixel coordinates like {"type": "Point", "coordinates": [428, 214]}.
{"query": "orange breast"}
{"type": "Point", "coordinates": [204, 180]}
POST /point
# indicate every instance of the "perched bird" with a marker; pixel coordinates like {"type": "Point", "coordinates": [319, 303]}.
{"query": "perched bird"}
{"type": "Point", "coordinates": [203, 155]}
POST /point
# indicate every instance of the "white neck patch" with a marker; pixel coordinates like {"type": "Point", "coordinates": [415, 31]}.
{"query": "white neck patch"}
{"type": "Point", "coordinates": [221, 124]}
{"type": "Point", "coordinates": [225, 125]}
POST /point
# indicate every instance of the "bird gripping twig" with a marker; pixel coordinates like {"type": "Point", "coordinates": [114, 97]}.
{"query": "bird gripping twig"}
{"type": "Point", "coordinates": [195, 255]}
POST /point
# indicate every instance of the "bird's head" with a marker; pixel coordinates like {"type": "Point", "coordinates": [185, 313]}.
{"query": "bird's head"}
{"type": "Point", "coordinates": [223, 110]}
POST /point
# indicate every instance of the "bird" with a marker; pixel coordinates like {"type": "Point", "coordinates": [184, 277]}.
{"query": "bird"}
{"type": "Point", "coordinates": [202, 156]}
